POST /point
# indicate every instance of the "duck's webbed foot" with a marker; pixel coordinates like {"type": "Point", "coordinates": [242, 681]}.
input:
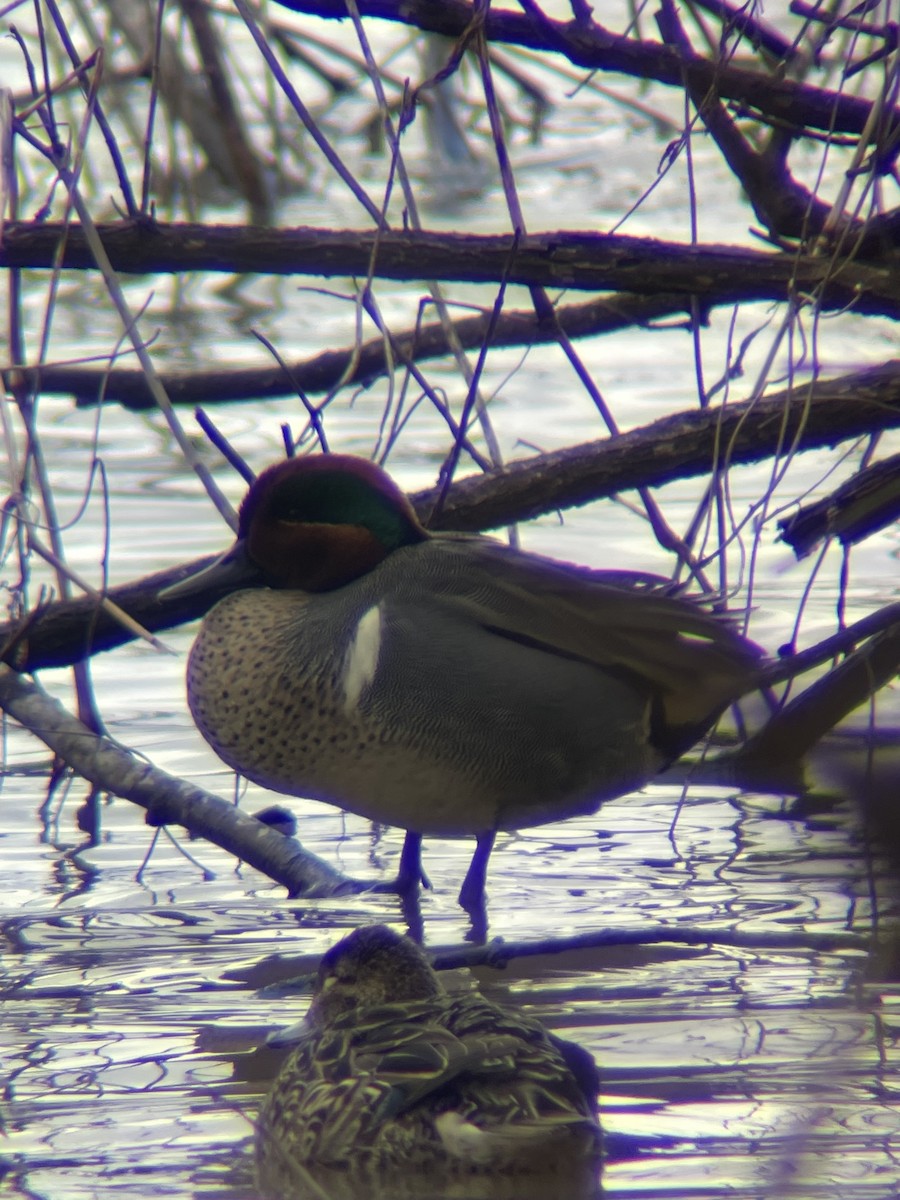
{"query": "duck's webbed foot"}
{"type": "Point", "coordinates": [410, 874]}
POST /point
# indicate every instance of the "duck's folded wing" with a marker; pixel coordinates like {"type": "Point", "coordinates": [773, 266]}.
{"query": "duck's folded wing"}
{"type": "Point", "coordinates": [694, 660]}
{"type": "Point", "coordinates": [419, 1067]}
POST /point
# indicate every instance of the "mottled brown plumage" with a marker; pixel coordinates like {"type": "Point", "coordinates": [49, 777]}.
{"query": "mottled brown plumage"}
{"type": "Point", "coordinates": [393, 1076]}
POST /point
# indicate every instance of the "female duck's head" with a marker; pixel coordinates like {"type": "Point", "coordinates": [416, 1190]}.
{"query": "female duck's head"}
{"type": "Point", "coordinates": [373, 965]}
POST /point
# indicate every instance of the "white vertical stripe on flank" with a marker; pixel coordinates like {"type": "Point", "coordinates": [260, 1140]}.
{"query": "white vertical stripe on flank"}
{"type": "Point", "coordinates": [361, 662]}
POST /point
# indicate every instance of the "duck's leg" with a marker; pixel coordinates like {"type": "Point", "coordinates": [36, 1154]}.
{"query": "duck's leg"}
{"type": "Point", "coordinates": [471, 895]}
{"type": "Point", "coordinates": [412, 915]}
{"type": "Point", "coordinates": [411, 874]}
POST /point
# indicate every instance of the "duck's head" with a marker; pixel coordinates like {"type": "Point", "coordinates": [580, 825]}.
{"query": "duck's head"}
{"type": "Point", "coordinates": [318, 523]}
{"type": "Point", "coordinates": [372, 965]}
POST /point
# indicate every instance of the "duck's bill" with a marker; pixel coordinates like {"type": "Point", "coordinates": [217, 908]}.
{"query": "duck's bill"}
{"type": "Point", "coordinates": [229, 572]}
{"type": "Point", "coordinates": [287, 1038]}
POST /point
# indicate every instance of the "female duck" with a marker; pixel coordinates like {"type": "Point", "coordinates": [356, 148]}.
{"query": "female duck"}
{"type": "Point", "coordinates": [442, 683]}
{"type": "Point", "coordinates": [393, 1076]}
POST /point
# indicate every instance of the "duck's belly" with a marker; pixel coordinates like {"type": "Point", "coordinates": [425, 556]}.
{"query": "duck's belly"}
{"type": "Point", "coordinates": [407, 730]}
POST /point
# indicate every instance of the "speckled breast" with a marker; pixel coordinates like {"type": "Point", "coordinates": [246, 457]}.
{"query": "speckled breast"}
{"type": "Point", "coordinates": [268, 687]}
{"type": "Point", "coordinates": [396, 715]}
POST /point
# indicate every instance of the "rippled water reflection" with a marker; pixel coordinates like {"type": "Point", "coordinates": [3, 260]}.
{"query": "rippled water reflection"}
{"type": "Point", "coordinates": [764, 1067]}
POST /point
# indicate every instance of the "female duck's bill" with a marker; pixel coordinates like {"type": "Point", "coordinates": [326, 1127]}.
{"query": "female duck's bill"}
{"type": "Point", "coordinates": [396, 1081]}
{"type": "Point", "coordinates": [443, 683]}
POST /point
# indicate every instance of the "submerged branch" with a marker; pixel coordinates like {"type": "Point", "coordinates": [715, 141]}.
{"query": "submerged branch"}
{"type": "Point", "coordinates": [294, 972]}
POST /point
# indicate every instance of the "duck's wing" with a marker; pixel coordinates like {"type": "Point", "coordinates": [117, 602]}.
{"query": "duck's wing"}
{"type": "Point", "coordinates": [694, 661]}
{"type": "Point", "coordinates": [340, 1088]}
{"type": "Point", "coordinates": [419, 1067]}
{"type": "Point", "coordinates": [419, 1048]}
{"type": "Point", "coordinates": [383, 1076]}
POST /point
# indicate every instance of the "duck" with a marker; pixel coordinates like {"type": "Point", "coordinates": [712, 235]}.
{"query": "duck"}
{"type": "Point", "coordinates": [393, 1077]}
{"type": "Point", "coordinates": [443, 683]}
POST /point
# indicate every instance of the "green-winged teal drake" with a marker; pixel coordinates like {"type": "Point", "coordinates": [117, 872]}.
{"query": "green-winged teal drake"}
{"type": "Point", "coordinates": [443, 683]}
{"type": "Point", "coordinates": [392, 1076]}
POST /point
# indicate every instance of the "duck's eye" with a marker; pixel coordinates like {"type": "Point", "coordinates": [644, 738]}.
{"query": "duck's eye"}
{"type": "Point", "coordinates": [286, 505]}
{"type": "Point", "coordinates": [289, 515]}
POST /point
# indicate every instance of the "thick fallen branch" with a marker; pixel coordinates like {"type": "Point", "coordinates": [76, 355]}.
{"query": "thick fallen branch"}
{"type": "Point", "coordinates": [677, 447]}
{"type": "Point", "coordinates": [352, 367]}
{"type": "Point", "coordinates": [64, 632]}
{"type": "Point", "coordinates": [867, 502]}
{"type": "Point", "coordinates": [792, 732]}
{"type": "Point", "coordinates": [170, 801]}
{"type": "Point", "coordinates": [685, 444]}
{"type": "Point", "coordinates": [785, 207]}
{"type": "Point", "coordinates": [561, 259]}
{"type": "Point", "coordinates": [587, 44]}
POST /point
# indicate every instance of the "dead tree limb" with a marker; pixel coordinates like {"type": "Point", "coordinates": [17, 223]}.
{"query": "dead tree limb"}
{"type": "Point", "coordinates": [585, 43]}
{"type": "Point", "coordinates": [128, 386]}
{"type": "Point", "coordinates": [716, 274]}
{"type": "Point", "coordinates": [112, 768]}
